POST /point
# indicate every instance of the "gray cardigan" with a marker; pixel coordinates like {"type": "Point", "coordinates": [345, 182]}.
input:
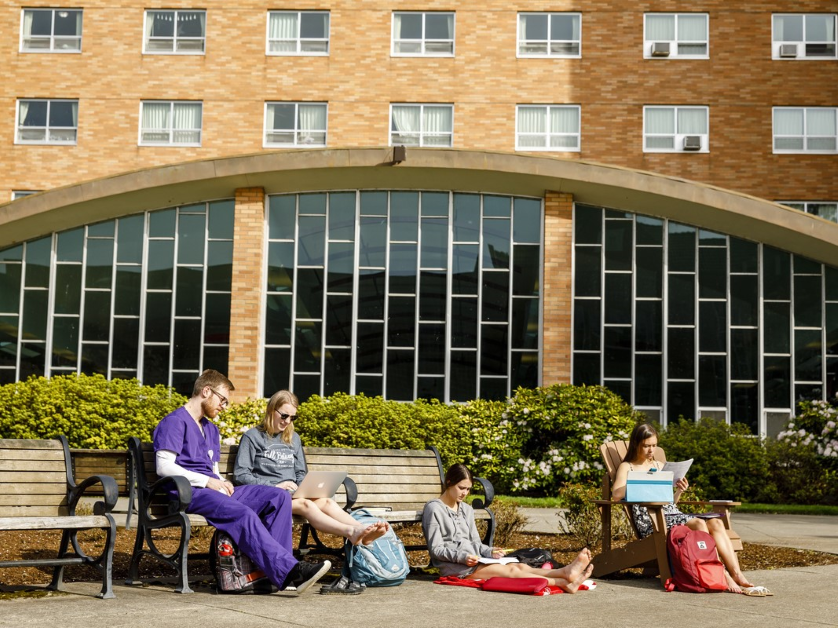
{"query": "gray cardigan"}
{"type": "Point", "coordinates": [269, 460]}
{"type": "Point", "coordinates": [451, 537]}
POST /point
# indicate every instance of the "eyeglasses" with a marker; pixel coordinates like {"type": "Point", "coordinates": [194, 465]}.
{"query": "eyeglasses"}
{"type": "Point", "coordinates": [286, 417]}
{"type": "Point", "coordinates": [224, 401]}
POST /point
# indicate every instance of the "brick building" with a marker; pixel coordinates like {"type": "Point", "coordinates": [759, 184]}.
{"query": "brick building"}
{"type": "Point", "coordinates": [588, 193]}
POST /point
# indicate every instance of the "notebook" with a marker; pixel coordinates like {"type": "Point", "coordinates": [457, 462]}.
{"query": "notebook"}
{"type": "Point", "coordinates": [643, 486]}
{"type": "Point", "coordinates": [318, 484]}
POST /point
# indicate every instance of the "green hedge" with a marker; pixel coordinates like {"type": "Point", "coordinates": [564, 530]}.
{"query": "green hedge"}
{"type": "Point", "coordinates": [93, 412]}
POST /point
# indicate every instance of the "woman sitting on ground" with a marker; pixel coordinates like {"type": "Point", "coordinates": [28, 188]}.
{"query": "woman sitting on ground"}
{"type": "Point", "coordinates": [455, 546]}
{"type": "Point", "coordinates": [272, 454]}
{"type": "Point", "coordinates": [640, 456]}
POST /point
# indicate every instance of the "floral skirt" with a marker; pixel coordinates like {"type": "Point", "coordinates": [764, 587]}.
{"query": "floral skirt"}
{"type": "Point", "coordinates": [643, 522]}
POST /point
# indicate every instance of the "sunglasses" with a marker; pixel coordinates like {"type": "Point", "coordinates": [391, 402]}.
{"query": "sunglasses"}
{"type": "Point", "coordinates": [286, 417]}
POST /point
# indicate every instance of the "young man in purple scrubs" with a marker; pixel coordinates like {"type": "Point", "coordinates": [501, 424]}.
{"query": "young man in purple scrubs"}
{"type": "Point", "coordinates": [257, 518]}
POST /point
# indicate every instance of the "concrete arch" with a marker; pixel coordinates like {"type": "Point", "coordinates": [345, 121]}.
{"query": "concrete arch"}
{"type": "Point", "coordinates": [686, 201]}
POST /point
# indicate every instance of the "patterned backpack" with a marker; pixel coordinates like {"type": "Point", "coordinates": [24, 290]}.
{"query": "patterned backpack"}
{"type": "Point", "coordinates": [382, 563]}
{"type": "Point", "coordinates": [235, 572]}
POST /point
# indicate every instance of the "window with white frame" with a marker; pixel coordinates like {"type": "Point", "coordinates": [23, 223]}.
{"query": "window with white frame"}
{"type": "Point", "coordinates": [41, 121]}
{"type": "Point", "coordinates": [675, 36]}
{"type": "Point", "coordinates": [175, 32]}
{"type": "Point", "coordinates": [170, 123]}
{"type": "Point", "coordinates": [298, 33]}
{"type": "Point", "coordinates": [423, 34]}
{"type": "Point", "coordinates": [808, 36]}
{"type": "Point", "coordinates": [421, 125]}
{"type": "Point", "coordinates": [675, 129]}
{"type": "Point", "coordinates": [547, 127]}
{"type": "Point", "coordinates": [16, 194]}
{"type": "Point", "coordinates": [295, 124]}
{"type": "Point", "coordinates": [51, 30]}
{"type": "Point", "coordinates": [825, 209]}
{"type": "Point", "coordinates": [805, 130]}
{"type": "Point", "coordinates": [549, 35]}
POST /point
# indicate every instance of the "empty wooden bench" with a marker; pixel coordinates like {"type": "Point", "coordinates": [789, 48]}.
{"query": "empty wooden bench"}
{"type": "Point", "coordinates": [396, 483]}
{"type": "Point", "coordinates": [38, 492]}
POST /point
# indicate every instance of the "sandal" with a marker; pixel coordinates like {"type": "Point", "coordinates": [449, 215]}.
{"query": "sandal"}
{"type": "Point", "coordinates": [756, 591]}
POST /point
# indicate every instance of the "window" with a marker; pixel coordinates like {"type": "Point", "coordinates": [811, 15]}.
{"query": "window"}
{"type": "Point", "coordinates": [675, 36]}
{"type": "Point", "coordinates": [421, 125]}
{"type": "Point", "coordinates": [16, 194]}
{"type": "Point", "coordinates": [675, 129]}
{"type": "Point", "coordinates": [423, 34]}
{"type": "Point", "coordinates": [175, 32]}
{"type": "Point", "coordinates": [826, 210]}
{"type": "Point", "coordinates": [549, 35]}
{"type": "Point", "coordinates": [547, 127]}
{"type": "Point", "coordinates": [165, 123]}
{"type": "Point", "coordinates": [295, 124]}
{"type": "Point", "coordinates": [47, 121]}
{"type": "Point", "coordinates": [810, 36]}
{"type": "Point", "coordinates": [805, 130]}
{"type": "Point", "coordinates": [298, 33]}
{"type": "Point", "coordinates": [51, 30]}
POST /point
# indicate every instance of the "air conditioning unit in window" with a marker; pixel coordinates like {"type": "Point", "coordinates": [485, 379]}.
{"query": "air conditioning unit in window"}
{"type": "Point", "coordinates": [788, 51]}
{"type": "Point", "coordinates": [660, 49]}
{"type": "Point", "coordinates": [692, 142]}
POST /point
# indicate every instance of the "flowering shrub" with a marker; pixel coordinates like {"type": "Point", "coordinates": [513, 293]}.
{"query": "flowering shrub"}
{"type": "Point", "coordinates": [815, 425]}
{"type": "Point", "coordinates": [240, 417]}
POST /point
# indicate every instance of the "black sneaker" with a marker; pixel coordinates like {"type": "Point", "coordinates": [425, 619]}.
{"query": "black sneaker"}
{"type": "Point", "coordinates": [342, 586]}
{"type": "Point", "coordinates": [303, 575]}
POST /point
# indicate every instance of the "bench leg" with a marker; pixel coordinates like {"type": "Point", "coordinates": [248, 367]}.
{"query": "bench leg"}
{"type": "Point", "coordinates": [58, 570]}
{"type": "Point", "coordinates": [105, 563]}
{"type": "Point", "coordinates": [136, 555]}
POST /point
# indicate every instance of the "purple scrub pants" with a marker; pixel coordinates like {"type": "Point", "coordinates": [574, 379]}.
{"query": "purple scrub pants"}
{"type": "Point", "coordinates": [258, 519]}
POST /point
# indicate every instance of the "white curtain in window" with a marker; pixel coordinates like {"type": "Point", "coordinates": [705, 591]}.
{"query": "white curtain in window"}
{"type": "Point", "coordinates": [437, 119]}
{"type": "Point", "coordinates": [203, 19]}
{"type": "Point", "coordinates": [532, 119]}
{"type": "Point", "coordinates": [283, 26]}
{"type": "Point", "coordinates": [74, 109]}
{"type": "Point", "coordinates": [406, 119]}
{"type": "Point", "coordinates": [28, 17]}
{"type": "Point", "coordinates": [22, 111]}
{"type": "Point", "coordinates": [788, 28]}
{"type": "Point", "coordinates": [820, 28]}
{"type": "Point", "coordinates": [660, 28]}
{"type": "Point", "coordinates": [564, 120]}
{"type": "Point", "coordinates": [78, 23]}
{"type": "Point", "coordinates": [449, 25]}
{"type": "Point", "coordinates": [692, 28]}
{"type": "Point", "coordinates": [312, 117]}
{"type": "Point", "coordinates": [660, 121]}
{"type": "Point", "coordinates": [692, 121]}
{"type": "Point", "coordinates": [187, 116]}
{"type": "Point", "coordinates": [155, 116]}
{"type": "Point", "coordinates": [269, 118]}
{"type": "Point", "coordinates": [149, 24]}
{"type": "Point", "coordinates": [788, 122]}
{"type": "Point", "coordinates": [575, 22]}
{"type": "Point", "coordinates": [397, 26]}
{"type": "Point", "coordinates": [820, 122]}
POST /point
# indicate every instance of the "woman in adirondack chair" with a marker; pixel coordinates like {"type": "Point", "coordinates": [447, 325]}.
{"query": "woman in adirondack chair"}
{"type": "Point", "coordinates": [456, 549]}
{"type": "Point", "coordinates": [640, 456]}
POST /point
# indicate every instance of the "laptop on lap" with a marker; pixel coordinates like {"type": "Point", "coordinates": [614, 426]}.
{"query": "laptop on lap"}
{"type": "Point", "coordinates": [317, 484]}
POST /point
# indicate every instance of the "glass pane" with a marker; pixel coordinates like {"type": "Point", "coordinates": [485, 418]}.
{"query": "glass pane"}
{"type": "Point", "coordinates": [495, 293]}
{"type": "Point", "coordinates": [808, 355]}
{"type": "Point", "coordinates": [400, 370]}
{"type": "Point", "coordinates": [309, 293]}
{"type": "Point", "coordinates": [649, 230]}
{"type": "Point", "coordinates": [191, 237]}
{"type": "Point", "coordinates": [744, 296]}
{"type": "Point", "coordinates": [494, 350]}
{"type": "Point", "coordinates": [466, 218]}
{"type": "Point", "coordinates": [35, 315]}
{"type": "Point", "coordinates": [282, 218]}
{"type": "Point", "coordinates": [127, 299]}
{"type": "Point", "coordinates": [97, 319]}
{"type": "Point", "coordinates": [65, 341]}
{"type": "Point", "coordinates": [525, 270]}
{"type": "Point", "coordinates": [401, 327]}
{"type": "Point", "coordinates": [710, 238]}
{"type": "Point", "coordinates": [831, 328]}
{"type": "Point", "coordinates": [339, 320]}
{"type": "Point", "coordinates": [463, 375]}
{"type": "Point", "coordinates": [431, 349]}
{"type": "Point", "coordinates": [776, 273]}
{"type": "Point", "coordinates": [369, 386]}
{"type": "Point", "coordinates": [280, 266]}
{"type": "Point", "coordinates": [311, 242]}
{"type": "Point", "coordinates": [648, 380]}
{"type": "Point", "coordinates": [403, 259]}
{"type": "Point", "coordinates": [217, 320]}
{"type": "Point", "coordinates": [777, 382]}
{"type": "Point", "coordinates": [496, 206]}
{"type": "Point", "coordinates": [190, 291]}
{"type": "Point", "coordinates": [524, 370]}
{"type": "Point", "coordinates": [32, 359]}
{"type": "Point", "coordinates": [744, 363]}
{"type": "Point", "coordinates": [807, 301]}
{"type": "Point", "coordinates": [831, 283]}
{"type": "Point", "coordinates": [161, 224]}
{"type": "Point", "coordinates": [158, 316]}
{"type": "Point", "coordinates": [712, 326]}
{"type": "Point", "coordinates": [307, 346]}
{"type": "Point", "coordinates": [681, 247]}
{"type": "Point", "coordinates": [221, 219]}
{"type": "Point", "coordinates": [588, 271]}
{"type": "Point", "coordinates": [586, 369]}
{"type": "Point", "coordinates": [277, 320]}
{"type": "Point", "coordinates": [681, 299]}
{"type": "Point", "coordinates": [371, 294]}
{"type": "Point", "coordinates": [681, 353]}
{"type": "Point", "coordinates": [156, 365]}
{"type": "Point", "coordinates": [618, 298]}
{"type": "Point", "coordinates": [464, 323]}
{"type": "Point", "coordinates": [712, 273]}
{"type": "Point", "coordinates": [587, 228]}
{"type": "Point", "coordinates": [434, 243]}
{"type": "Point", "coordinates": [341, 266]}
{"type": "Point", "coordinates": [712, 381]}
{"type": "Point", "coordinates": [369, 348]}
{"type": "Point", "coordinates": [805, 266]}
{"type": "Point", "coordinates": [373, 242]}
{"type": "Point", "coordinates": [337, 371]}
{"type": "Point", "coordinates": [788, 28]}
{"type": "Point", "coordinates": [777, 327]}
{"type": "Point", "coordinates": [496, 247]}
{"type": "Point", "coordinates": [10, 287]}
{"type": "Point", "coordinates": [618, 244]}
{"type": "Point", "coordinates": [99, 267]}
{"type": "Point", "coordinates": [524, 329]}
{"type": "Point", "coordinates": [38, 262]}
{"type": "Point", "coordinates": [649, 268]}
{"type": "Point", "coordinates": [743, 256]}
{"type": "Point", "coordinates": [649, 326]}
{"type": "Point", "coordinates": [342, 216]}
{"type": "Point", "coordinates": [219, 265]}
{"type": "Point", "coordinates": [67, 288]}
{"type": "Point", "coordinates": [404, 216]}
{"type": "Point", "coordinates": [681, 401]}
{"type": "Point", "coordinates": [464, 269]}
{"type": "Point", "coordinates": [129, 240]}
{"type": "Point", "coordinates": [617, 352]}
{"type": "Point", "coordinates": [526, 220]}
{"type": "Point", "coordinates": [277, 370]}
{"type": "Point", "coordinates": [94, 359]}
{"type": "Point", "coordinates": [126, 333]}
{"type": "Point", "coordinates": [186, 351]}
{"type": "Point", "coordinates": [587, 325]}
{"type": "Point", "coordinates": [744, 405]}
{"type": "Point", "coordinates": [160, 262]}
{"type": "Point", "coordinates": [432, 295]}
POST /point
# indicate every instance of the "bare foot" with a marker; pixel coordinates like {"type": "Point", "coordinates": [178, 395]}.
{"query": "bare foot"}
{"type": "Point", "coordinates": [732, 587]}
{"type": "Point", "coordinates": [376, 530]}
{"type": "Point", "coordinates": [741, 580]}
{"type": "Point", "coordinates": [578, 565]}
{"type": "Point", "coordinates": [360, 534]}
{"type": "Point", "coordinates": [573, 587]}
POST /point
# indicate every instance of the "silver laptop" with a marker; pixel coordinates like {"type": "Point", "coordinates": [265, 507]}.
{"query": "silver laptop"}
{"type": "Point", "coordinates": [317, 484]}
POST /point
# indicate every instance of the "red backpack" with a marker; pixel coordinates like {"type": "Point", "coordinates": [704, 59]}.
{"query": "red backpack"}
{"type": "Point", "coordinates": [694, 563]}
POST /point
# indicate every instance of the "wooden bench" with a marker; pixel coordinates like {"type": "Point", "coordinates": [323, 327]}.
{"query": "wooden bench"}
{"type": "Point", "coordinates": [396, 483]}
{"type": "Point", "coordinates": [112, 462]}
{"type": "Point", "coordinates": [38, 492]}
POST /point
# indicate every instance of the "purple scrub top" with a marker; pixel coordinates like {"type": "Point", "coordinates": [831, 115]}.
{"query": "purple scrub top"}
{"type": "Point", "coordinates": [179, 433]}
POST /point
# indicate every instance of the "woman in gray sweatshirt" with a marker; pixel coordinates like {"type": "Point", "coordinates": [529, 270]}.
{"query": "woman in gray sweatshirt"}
{"type": "Point", "coordinates": [272, 454]}
{"type": "Point", "coordinates": [455, 547]}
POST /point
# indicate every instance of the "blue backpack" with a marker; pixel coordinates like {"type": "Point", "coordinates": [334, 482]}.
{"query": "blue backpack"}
{"type": "Point", "coordinates": [383, 563]}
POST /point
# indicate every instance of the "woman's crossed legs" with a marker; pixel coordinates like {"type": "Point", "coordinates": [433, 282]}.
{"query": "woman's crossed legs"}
{"type": "Point", "coordinates": [567, 578]}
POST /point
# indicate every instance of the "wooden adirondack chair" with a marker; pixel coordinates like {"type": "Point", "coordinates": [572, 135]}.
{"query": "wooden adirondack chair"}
{"type": "Point", "coordinates": [650, 552]}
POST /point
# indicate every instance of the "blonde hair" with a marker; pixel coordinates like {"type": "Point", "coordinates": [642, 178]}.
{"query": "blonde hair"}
{"type": "Point", "coordinates": [279, 399]}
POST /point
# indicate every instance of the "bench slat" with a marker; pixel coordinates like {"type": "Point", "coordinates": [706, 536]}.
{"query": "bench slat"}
{"type": "Point", "coordinates": [33, 465]}
{"type": "Point", "coordinates": [34, 500]}
{"type": "Point", "coordinates": [27, 443]}
{"type": "Point", "coordinates": [40, 476]}
{"type": "Point", "coordinates": [28, 454]}
{"type": "Point", "coordinates": [375, 453]}
{"type": "Point", "coordinates": [363, 478]}
{"type": "Point", "coordinates": [383, 462]}
{"type": "Point", "coordinates": [45, 488]}
{"type": "Point", "coordinates": [26, 522]}
{"type": "Point", "coordinates": [24, 512]}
